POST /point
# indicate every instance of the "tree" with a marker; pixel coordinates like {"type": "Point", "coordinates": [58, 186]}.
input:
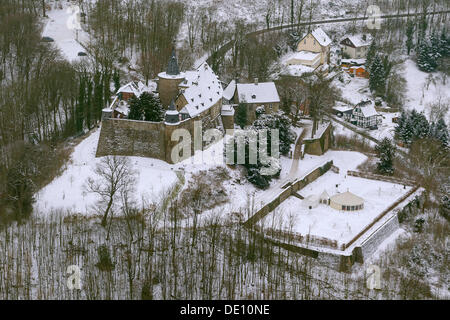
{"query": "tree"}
{"type": "Point", "coordinates": [241, 115]}
{"type": "Point", "coordinates": [409, 35]}
{"type": "Point", "coordinates": [279, 122]}
{"type": "Point", "coordinates": [116, 79]}
{"type": "Point", "coordinates": [439, 131]}
{"type": "Point", "coordinates": [426, 57]}
{"type": "Point", "coordinates": [386, 153]}
{"type": "Point", "coordinates": [114, 174]}
{"type": "Point", "coordinates": [147, 108]}
{"type": "Point", "coordinates": [377, 80]}
{"type": "Point", "coordinates": [371, 53]}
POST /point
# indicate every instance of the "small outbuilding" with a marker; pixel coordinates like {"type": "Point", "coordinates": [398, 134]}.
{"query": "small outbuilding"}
{"type": "Point", "coordinates": [346, 201]}
{"type": "Point", "coordinates": [311, 201]}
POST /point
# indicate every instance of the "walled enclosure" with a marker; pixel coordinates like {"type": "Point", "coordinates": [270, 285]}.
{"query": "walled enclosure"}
{"type": "Point", "coordinates": [319, 145]}
{"type": "Point", "coordinates": [140, 138]}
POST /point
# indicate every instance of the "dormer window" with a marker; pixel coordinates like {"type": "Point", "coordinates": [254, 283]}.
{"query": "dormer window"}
{"type": "Point", "coordinates": [200, 95]}
{"type": "Point", "coordinates": [192, 99]}
{"type": "Point", "coordinates": [253, 96]}
{"type": "Point", "coordinates": [210, 99]}
{"type": "Point", "coordinates": [203, 104]}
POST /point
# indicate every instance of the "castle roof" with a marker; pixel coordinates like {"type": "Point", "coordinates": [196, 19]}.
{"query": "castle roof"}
{"type": "Point", "coordinates": [172, 66]}
{"type": "Point", "coordinates": [203, 89]}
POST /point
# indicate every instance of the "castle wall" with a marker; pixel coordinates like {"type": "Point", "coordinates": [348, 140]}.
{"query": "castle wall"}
{"type": "Point", "coordinates": [132, 138]}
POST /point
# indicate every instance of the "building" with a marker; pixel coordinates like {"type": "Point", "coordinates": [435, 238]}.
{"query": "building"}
{"type": "Point", "coordinates": [193, 101]}
{"type": "Point", "coordinates": [119, 108]}
{"type": "Point", "coordinates": [356, 47]}
{"type": "Point", "coordinates": [316, 41]}
{"type": "Point", "coordinates": [254, 95]}
{"type": "Point", "coordinates": [346, 201]}
{"type": "Point", "coordinates": [306, 58]}
{"type": "Point", "coordinates": [364, 115]}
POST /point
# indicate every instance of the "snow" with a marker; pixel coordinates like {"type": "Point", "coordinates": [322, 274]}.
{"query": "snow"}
{"type": "Point", "coordinates": [369, 110]}
{"type": "Point", "coordinates": [418, 94]}
{"type": "Point", "coordinates": [66, 191]}
{"type": "Point", "coordinates": [305, 55]}
{"type": "Point", "coordinates": [228, 93]}
{"type": "Point", "coordinates": [203, 92]}
{"type": "Point", "coordinates": [65, 38]}
{"type": "Point", "coordinates": [324, 221]}
{"type": "Point", "coordinates": [358, 40]}
{"type": "Point", "coordinates": [263, 92]}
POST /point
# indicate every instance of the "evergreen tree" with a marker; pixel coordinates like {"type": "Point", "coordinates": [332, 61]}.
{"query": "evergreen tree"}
{"type": "Point", "coordinates": [377, 80]}
{"type": "Point", "coordinates": [409, 35]}
{"type": "Point", "coordinates": [386, 152]}
{"type": "Point", "coordinates": [147, 108]}
{"type": "Point", "coordinates": [439, 131]}
{"type": "Point", "coordinates": [420, 125]}
{"type": "Point", "coordinates": [279, 122]}
{"type": "Point", "coordinates": [426, 57]}
{"type": "Point", "coordinates": [136, 111]}
{"type": "Point", "coordinates": [81, 106]}
{"type": "Point", "coordinates": [241, 115]}
{"type": "Point", "coordinates": [444, 44]}
{"type": "Point", "coordinates": [371, 54]}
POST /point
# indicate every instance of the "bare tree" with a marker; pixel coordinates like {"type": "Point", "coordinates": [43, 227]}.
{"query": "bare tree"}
{"type": "Point", "coordinates": [114, 175]}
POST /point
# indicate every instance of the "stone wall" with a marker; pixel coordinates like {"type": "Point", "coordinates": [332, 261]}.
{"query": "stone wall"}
{"type": "Point", "coordinates": [132, 138]}
{"type": "Point", "coordinates": [369, 246]}
{"type": "Point", "coordinates": [319, 145]}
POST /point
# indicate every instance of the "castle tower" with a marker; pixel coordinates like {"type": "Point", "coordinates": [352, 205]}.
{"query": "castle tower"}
{"type": "Point", "coordinates": [172, 116]}
{"type": "Point", "coordinates": [169, 80]}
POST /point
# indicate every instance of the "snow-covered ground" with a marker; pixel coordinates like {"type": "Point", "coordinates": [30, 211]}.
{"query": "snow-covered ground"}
{"type": "Point", "coordinates": [67, 191]}
{"type": "Point", "coordinates": [424, 88]}
{"type": "Point", "coordinates": [324, 221]}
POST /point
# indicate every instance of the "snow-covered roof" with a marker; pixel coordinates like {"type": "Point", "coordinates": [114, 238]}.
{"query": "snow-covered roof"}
{"type": "Point", "coordinates": [367, 108]}
{"type": "Point", "coordinates": [358, 40]}
{"type": "Point", "coordinates": [203, 89]}
{"type": "Point", "coordinates": [228, 93]}
{"type": "Point", "coordinates": [321, 37]}
{"type": "Point", "coordinates": [227, 110]}
{"type": "Point", "coordinates": [305, 55]}
{"type": "Point", "coordinates": [263, 92]}
{"type": "Point", "coordinates": [354, 61]}
{"type": "Point", "coordinates": [137, 88]}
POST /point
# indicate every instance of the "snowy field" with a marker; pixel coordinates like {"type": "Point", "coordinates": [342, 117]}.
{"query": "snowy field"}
{"type": "Point", "coordinates": [327, 222]}
{"type": "Point", "coordinates": [67, 191]}
{"type": "Point", "coordinates": [424, 88]}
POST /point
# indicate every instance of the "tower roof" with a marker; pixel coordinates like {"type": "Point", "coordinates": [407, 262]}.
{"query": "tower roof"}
{"type": "Point", "coordinates": [172, 67]}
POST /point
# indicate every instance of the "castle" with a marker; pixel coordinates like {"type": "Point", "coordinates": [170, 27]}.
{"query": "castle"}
{"type": "Point", "coordinates": [189, 97]}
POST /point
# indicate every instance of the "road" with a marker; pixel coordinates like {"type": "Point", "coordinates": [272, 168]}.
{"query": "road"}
{"type": "Point", "coordinates": [227, 46]}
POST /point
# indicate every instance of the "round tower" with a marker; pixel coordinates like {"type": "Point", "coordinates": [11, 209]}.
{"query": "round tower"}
{"type": "Point", "coordinates": [172, 116]}
{"type": "Point", "coordinates": [169, 80]}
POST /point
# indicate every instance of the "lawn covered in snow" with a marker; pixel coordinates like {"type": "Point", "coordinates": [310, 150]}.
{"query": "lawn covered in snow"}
{"type": "Point", "coordinates": [324, 221]}
{"type": "Point", "coordinates": [67, 191]}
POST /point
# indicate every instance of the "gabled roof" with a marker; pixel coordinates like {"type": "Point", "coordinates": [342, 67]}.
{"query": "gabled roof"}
{"type": "Point", "coordinates": [203, 89]}
{"type": "Point", "coordinates": [367, 108]}
{"type": "Point", "coordinates": [228, 93]}
{"type": "Point", "coordinates": [357, 41]}
{"type": "Point", "coordinates": [321, 37]}
{"type": "Point", "coordinates": [263, 92]}
{"type": "Point", "coordinates": [137, 88]}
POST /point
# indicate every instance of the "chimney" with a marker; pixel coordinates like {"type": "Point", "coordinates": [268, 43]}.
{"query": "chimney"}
{"type": "Point", "coordinates": [256, 81]}
{"type": "Point", "coordinates": [364, 37]}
